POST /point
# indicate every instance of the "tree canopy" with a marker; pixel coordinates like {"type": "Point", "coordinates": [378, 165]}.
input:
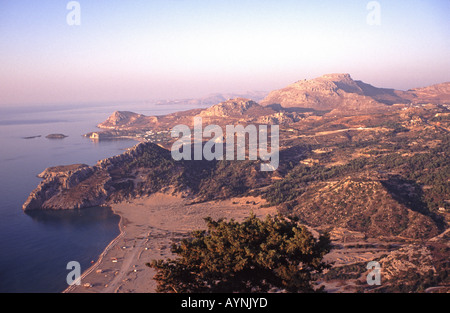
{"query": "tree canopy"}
{"type": "Point", "coordinates": [274, 254]}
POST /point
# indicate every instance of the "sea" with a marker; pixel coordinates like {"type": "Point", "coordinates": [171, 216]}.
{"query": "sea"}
{"type": "Point", "coordinates": [36, 247]}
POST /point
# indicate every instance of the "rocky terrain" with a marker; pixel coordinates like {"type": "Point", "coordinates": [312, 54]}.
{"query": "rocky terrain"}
{"type": "Point", "coordinates": [81, 186]}
{"type": "Point", "coordinates": [362, 205]}
{"type": "Point", "coordinates": [342, 95]}
{"type": "Point", "coordinates": [368, 165]}
{"type": "Point", "coordinates": [439, 93]}
{"type": "Point", "coordinates": [238, 107]}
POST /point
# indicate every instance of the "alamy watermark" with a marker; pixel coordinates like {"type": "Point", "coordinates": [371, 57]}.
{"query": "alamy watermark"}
{"type": "Point", "coordinates": [74, 276]}
{"type": "Point", "coordinates": [374, 16]}
{"type": "Point", "coordinates": [213, 149]}
{"type": "Point", "coordinates": [374, 276]}
{"type": "Point", "coordinates": [73, 18]}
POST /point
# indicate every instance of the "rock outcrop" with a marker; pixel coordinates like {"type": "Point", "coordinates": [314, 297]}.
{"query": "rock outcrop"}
{"type": "Point", "coordinates": [69, 187]}
{"type": "Point", "coordinates": [409, 259]}
{"type": "Point", "coordinates": [280, 118]}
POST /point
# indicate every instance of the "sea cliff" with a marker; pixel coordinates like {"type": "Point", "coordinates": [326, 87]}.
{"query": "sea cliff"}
{"type": "Point", "coordinates": [78, 186]}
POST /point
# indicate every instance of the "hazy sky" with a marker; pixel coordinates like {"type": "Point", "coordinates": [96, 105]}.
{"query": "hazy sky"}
{"type": "Point", "coordinates": [149, 49]}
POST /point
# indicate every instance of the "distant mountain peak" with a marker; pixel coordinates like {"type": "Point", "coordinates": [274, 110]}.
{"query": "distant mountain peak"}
{"type": "Point", "coordinates": [337, 92]}
{"type": "Point", "coordinates": [332, 77]}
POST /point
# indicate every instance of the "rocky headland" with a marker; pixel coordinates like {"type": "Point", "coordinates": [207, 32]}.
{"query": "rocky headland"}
{"type": "Point", "coordinates": [80, 186]}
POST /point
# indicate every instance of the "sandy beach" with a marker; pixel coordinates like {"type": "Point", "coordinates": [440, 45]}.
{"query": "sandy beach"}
{"type": "Point", "coordinates": [148, 227]}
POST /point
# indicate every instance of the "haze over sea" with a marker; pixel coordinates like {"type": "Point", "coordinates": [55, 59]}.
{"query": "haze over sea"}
{"type": "Point", "coordinates": [36, 247]}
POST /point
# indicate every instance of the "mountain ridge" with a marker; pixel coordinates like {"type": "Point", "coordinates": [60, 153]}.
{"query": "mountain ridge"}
{"type": "Point", "coordinates": [339, 93]}
{"type": "Point", "coordinates": [334, 94]}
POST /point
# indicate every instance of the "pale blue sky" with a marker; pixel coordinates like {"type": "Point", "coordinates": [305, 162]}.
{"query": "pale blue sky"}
{"type": "Point", "coordinates": [141, 49]}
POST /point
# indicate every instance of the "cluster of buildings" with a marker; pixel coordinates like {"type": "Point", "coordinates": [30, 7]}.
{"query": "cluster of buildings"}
{"type": "Point", "coordinates": [155, 136]}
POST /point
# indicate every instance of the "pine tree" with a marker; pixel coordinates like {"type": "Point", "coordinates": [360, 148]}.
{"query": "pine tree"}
{"type": "Point", "coordinates": [252, 256]}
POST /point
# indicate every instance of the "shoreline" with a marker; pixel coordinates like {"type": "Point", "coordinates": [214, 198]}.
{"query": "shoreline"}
{"type": "Point", "coordinates": [148, 227]}
{"type": "Point", "coordinates": [101, 256]}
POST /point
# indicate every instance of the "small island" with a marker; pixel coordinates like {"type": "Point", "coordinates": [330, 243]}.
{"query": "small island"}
{"type": "Point", "coordinates": [56, 136]}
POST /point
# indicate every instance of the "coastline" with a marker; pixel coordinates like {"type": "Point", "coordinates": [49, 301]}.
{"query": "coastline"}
{"type": "Point", "coordinates": [100, 257]}
{"type": "Point", "coordinates": [148, 227]}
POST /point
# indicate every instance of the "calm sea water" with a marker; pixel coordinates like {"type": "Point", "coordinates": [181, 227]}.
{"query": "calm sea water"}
{"type": "Point", "coordinates": [36, 247]}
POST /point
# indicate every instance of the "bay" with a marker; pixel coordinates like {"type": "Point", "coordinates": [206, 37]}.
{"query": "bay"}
{"type": "Point", "coordinates": [36, 247]}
